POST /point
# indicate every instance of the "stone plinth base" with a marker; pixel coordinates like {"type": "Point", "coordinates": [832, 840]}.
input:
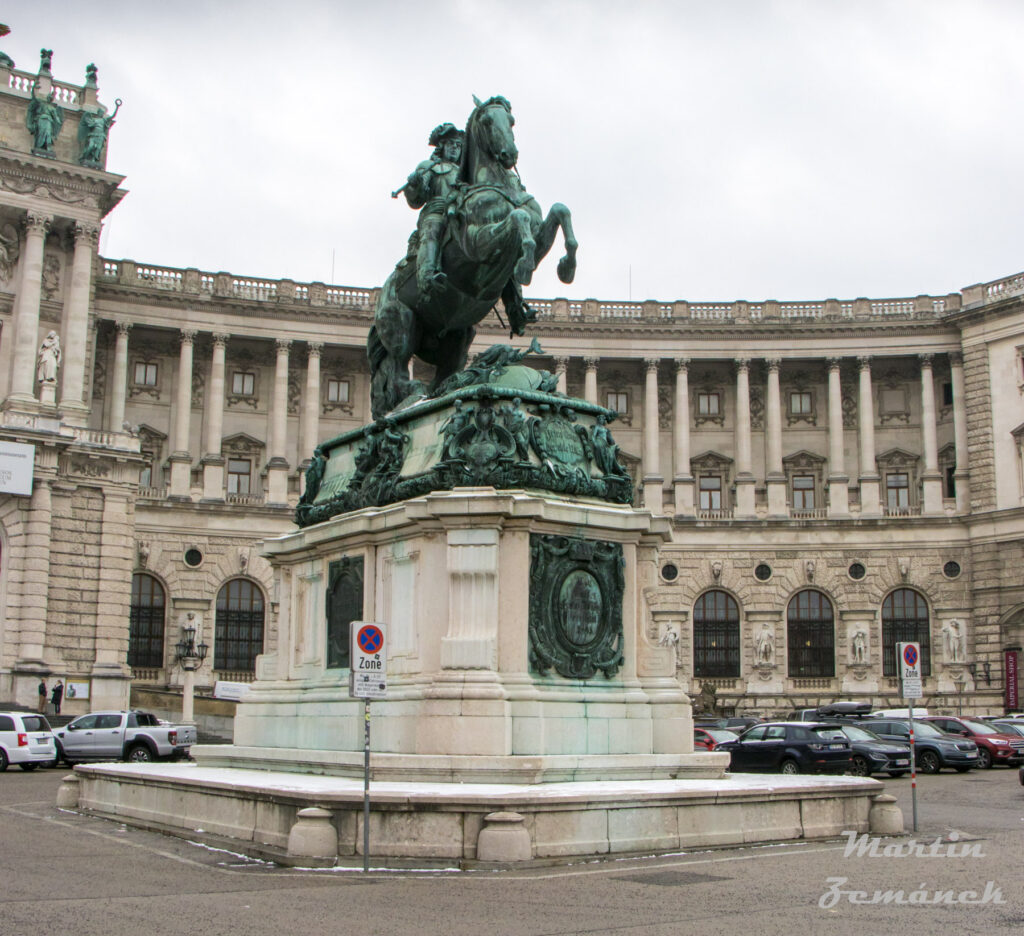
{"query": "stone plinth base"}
{"type": "Point", "coordinates": [255, 811]}
{"type": "Point", "coordinates": [441, 768]}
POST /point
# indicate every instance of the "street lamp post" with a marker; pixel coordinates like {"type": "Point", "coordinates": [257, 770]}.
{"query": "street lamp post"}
{"type": "Point", "coordinates": [189, 656]}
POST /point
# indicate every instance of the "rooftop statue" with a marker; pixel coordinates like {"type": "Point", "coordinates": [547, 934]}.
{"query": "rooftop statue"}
{"type": "Point", "coordinates": [44, 120]}
{"type": "Point", "coordinates": [479, 238]}
{"type": "Point", "coordinates": [92, 134]}
{"type": "Point", "coordinates": [5, 60]}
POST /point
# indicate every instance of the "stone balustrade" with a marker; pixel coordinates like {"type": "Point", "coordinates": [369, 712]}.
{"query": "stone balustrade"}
{"type": "Point", "coordinates": [68, 96]}
{"type": "Point", "coordinates": [226, 285]}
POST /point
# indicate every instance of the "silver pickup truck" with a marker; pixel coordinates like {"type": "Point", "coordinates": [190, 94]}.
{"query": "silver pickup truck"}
{"type": "Point", "coordinates": [130, 736]}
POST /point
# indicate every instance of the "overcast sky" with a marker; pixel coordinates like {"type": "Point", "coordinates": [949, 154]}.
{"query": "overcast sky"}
{"type": "Point", "coordinates": [722, 149]}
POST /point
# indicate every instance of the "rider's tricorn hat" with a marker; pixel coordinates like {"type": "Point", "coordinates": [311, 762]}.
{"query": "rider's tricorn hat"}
{"type": "Point", "coordinates": [443, 132]}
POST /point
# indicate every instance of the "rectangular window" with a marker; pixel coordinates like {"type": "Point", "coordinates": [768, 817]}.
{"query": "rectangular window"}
{"type": "Point", "coordinates": [950, 481]}
{"type": "Point", "coordinates": [803, 492]}
{"type": "Point", "coordinates": [711, 493]}
{"type": "Point", "coordinates": [146, 476]}
{"type": "Point", "coordinates": [947, 393]}
{"type": "Point", "coordinates": [619, 402]}
{"type": "Point", "coordinates": [243, 384]}
{"type": "Point", "coordinates": [145, 374]}
{"type": "Point", "coordinates": [897, 489]}
{"type": "Point", "coordinates": [800, 403]}
{"type": "Point", "coordinates": [239, 475]}
{"type": "Point", "coordinates": [709, 404]}
{"type": "Point", "coordinates": [337, 391]}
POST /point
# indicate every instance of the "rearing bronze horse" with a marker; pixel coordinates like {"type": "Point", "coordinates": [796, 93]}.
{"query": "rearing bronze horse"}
{"type": "Point", "coordinates": [496, 235]}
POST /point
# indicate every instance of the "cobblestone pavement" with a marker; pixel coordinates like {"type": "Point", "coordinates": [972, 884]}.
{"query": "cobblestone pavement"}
{"type": "Point", "coordinates": [69, 874]}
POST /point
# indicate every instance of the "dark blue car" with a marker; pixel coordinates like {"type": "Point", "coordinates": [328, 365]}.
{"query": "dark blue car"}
{"type": "Point", "coordinates": [790, 748]}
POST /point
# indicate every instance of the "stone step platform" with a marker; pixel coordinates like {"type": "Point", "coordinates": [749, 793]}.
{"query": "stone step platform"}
{"type": "Point", "coordinates": [307, 820]}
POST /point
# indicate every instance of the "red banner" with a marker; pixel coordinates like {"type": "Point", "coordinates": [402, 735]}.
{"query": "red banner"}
{"type": "Point", "coordinates": [1011, 660]}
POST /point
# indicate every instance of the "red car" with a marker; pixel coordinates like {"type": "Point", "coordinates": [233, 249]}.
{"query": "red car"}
{"type": "Point", "coordinates": [707, 739]}
{"type": "Point", "coordinates": [994, 747]}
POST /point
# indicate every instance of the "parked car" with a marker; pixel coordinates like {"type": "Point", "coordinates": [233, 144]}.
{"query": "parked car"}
{"type": "Point", "coordinates": [790, 748]}
{"type": "Point", "coordinates": [130, 736]}
{"type": "Point", "coordinates": [994, 746]}
{"type": "Point", "coordinates": [737, 723]}
{"type": "Point", "coordinates": [1008, 726]}
{"type": "Point", "coordinates": [707, 739]}
{"type": "Point", "coordinates": [26, 740]}
{"type": "Point", "coordinates": [873, 754]}
{"type": "Point", "coordinates": [830, 711]}
{"type": "Point", "coordinates": [934, 749]}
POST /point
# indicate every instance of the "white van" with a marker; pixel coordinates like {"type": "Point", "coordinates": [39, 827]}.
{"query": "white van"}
{"type": "Point", "coordinates": [900, 713]}
{"type": "Point", "coordinates": [26, 740]}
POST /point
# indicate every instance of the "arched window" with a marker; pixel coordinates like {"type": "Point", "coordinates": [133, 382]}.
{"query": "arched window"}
{"type": "Point", "coordinates": [905, 620]}
{"type": "Point", "coordinates": [146, 627]}
{"type": "Point", "coordinates": [716, 636]}
{"type": "Point", "coordinates": [810, 629]}
{"type": "Point", "coordinates": [238, 635]}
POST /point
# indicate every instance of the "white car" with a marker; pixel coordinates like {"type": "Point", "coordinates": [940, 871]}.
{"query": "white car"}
{"type": "Point", "coordinates": [26, 740]}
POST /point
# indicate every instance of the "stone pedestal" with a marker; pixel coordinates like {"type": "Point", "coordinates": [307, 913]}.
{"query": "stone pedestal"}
{"type": "Point", "coordinates": [513, 627]}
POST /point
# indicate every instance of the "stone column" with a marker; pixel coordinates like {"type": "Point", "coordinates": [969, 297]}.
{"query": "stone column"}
{"type": "Point", "coordinates": [838, 480]}
{"type": "Point", "coordinates": [961, 474]}
{"type": "Point", "coordinates": [311, 406]}
{"type": "Point", "coordinates": [744, 506]}
{"type": "Point", "coordinates": [653, 480]}
{"type": "Point", "coordinates": [110, 676]}
{"type": "Point", "coordinates": [590, 379]}
{"type": "Point", "coordinates": [870, 494]}
{"type": "Point", "coordinates": [277, 466]}
{"type": "Point", "coordinates": [76, 319]}
{"type": "Point", "coordinates": [119, 379]}
{"type": "Point", "coordinates": [26, 321]}
{"type": "Point", "coordinates": [213, 460]}
{"type": "Point", "coordinates": [682, 482]}
{"type": "Point", "coordinates": [561, 366]}
{"type": "Point", "coordinates": [36, 574]}
{"type": "Point", "coordinates": [775, 478]}
{"type": "Point", "coordinates": [931, 477]}
{"type": "Point", "coordinates": [181, 457]}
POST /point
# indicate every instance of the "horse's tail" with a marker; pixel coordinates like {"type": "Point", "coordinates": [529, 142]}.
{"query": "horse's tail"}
{"type": "Point", "coordinates": [375, 351]}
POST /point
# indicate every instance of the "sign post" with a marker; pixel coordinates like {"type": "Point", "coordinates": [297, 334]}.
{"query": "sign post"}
{"type": "Point", "coordinates": [367, 679]}
{"type": "Point", "coordinates": [908, 660]}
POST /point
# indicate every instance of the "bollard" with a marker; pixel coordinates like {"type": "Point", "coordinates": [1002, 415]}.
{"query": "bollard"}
{"type": "Point", "coordinates": [313, 835]}
{"type": "Point", "coordinates": [67, 793]}
{"type": "Point", "coordinates": [504, 838]}
{"type": "Point", "coordinates": [885, 817]}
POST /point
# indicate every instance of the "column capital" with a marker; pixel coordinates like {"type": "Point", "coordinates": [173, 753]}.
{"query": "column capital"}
{"type": "Point", "coordinates": [956, 359]}
{"type": "Point", "coordinates": [742, 364]}
{"type": "Point", "coordinates": [314, 348]}
{"type": "Point", "coordinates": [283, 344]}
{"type": "Point", "coordinates": [864, 361]}
{"type": "Point", "coordinates": [651, 364]}
{"type": "Point", "coordinates": [773, 364]}
{"type": "Point", "coordinates": [925, 360]}
{"type": "Point", "coordinates": [834, 363]}
{"type": "Point", "coordinates": [682, 365]}
{"type": "Point", "coordinates": [37, 223]}
{"type": "Point", "coordinates": [220, 339]}
{"type": "Point", "coordinates": [86, 233]}
{"type": "Point", "coordinates": [561, 364]}
{"type": "Point", "coordinates": [590, 363]}
{"type": "Point", "coordinates": [187, 336]}
{"type": "Point", "coordinates": [122, 327]}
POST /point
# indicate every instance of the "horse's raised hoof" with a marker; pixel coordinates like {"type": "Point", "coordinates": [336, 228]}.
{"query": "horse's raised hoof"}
{"type": "Point", "coordinates": [567, 269]}
{"type": "Point", "coordinates": [523, 272]}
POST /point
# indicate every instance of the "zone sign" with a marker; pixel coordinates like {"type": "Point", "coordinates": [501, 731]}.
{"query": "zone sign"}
{"type": "Point", "coordinates": [368, 676]}
{"type": "Point", "coordinates": [909, 655]}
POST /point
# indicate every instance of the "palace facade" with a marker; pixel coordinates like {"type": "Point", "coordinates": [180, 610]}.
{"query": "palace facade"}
{"type": "Point", "coordinates": [839, 475]}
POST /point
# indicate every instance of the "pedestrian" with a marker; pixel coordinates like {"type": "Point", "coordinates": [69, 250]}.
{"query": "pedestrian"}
{"type": "Point", "coordinates": [56, 696]}
{"type": "Point", "coordinates": [42, 696]}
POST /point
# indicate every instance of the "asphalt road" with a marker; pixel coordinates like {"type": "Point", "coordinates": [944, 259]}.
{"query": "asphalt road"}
{"type": "Point", "coordinates": [72, 875]}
